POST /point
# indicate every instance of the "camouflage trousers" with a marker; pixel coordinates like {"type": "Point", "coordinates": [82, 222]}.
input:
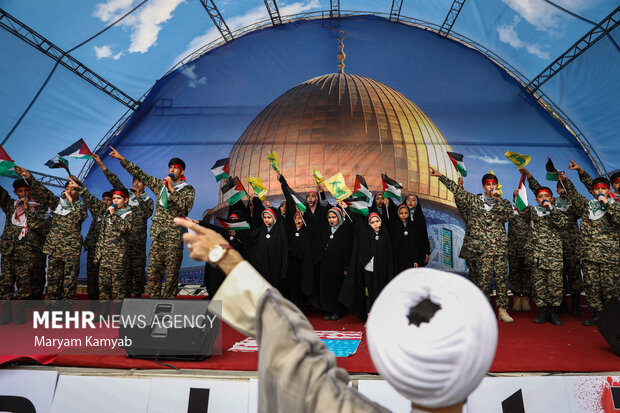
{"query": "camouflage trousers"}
{"type": "Point", "coordinates": [112, 281]}
{"type": "Point", "coordinates": [601, 283]}
{"type": "Point", "coordinates": [488, 268]}
{"type": "Point", "coordinates": [547, 286]}
{"type": "Point", "coordinates": [473, 270]}
{"type": "Point", "coordinates": [92, 275]}
{"type": "Point", "coordinates": [165, 257]}
{"type": "Point", "coordinates": [37, 281]}
{"type": "Point", "coordinates": [573, 283]}
{"type": "Point", "coordinates": [135, 270]}
{"type": "Point", "coordinates": [62, 273]}
{"type": "Point", "coordinates": [17, 268]}
{"type": "Point", "coordinates": [520, 276]}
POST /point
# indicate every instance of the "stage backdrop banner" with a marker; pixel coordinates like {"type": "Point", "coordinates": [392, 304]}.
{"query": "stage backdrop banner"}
{"type": "Point", "coordinates": [27, 389]}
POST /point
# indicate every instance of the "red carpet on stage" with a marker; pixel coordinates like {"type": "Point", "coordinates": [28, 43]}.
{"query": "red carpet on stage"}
{"type": "Point", "coordinates": [523, 347]}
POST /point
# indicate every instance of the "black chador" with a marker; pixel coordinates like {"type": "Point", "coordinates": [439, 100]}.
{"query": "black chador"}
{"type": "Point", "coordinates": [302, 243]}
{"type": "Point", "coordinates": [416, 215]}
{"type": "Point", "coordinates": [378, 205]}
{"type": "Point", "coordinates": [372, 265]}
{"type": "Point", "coordinates": [407, 241]}
{"type": "Point", "coordinates": [336, 243]}
{"type": "Point", "coordinates": [269, 247]}
{"type": "Point", "coordinates": [214, 277]}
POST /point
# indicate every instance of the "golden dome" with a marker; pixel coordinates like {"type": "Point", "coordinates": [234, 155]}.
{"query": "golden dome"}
{"type": "Point", "coordinates": [344, 123]}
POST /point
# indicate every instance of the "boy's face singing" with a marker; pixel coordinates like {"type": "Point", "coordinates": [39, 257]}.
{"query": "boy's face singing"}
{"type": "Point", "coordinates": [597, 191]}
{"type": "Point", "coordinates": [119, 201]}
{"type": "Point", "coordinates": [72, 191]}
{"type": "Point", "coordinates": [490, 187]}
{"type": "Point", "coordinates": [138, 186]}
{"type": "Point", "coordinates": [543, 196]}
{"type": "Point", "coordinates": [176, 171]}
{"type": "Point", "coordinates": [23, 192]}
{"type": "Point", "coordinates": [616, 185]}
{"type": "Point", "coordinates": [107, 200]}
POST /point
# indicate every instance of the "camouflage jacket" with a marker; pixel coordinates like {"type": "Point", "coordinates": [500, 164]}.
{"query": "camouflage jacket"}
{"type": "Point", "coordinates": [141, 207]}
{"type": "Point", "coordinates": [545, 243]}
{"type": "Point", "coordinates": [115, 228]}
{"type": "Point", "coordinates": [460, 199]}
{"type": "Point", "coordinates": [518, 233]}
{"type": "Point", "coordinates": [599, 239]}
{"type": "Point", "coordinates": [65, 234]}
{"type": "Point", "coordinates": [10, 237]}
{"type": "Point", "coordinates": [570, 230]}
{"type": "Point", "coordinates": [90, 241]}
{"type": "Point", "coordinates": [485, 231]}
{"type": "Point", "coordinates": [179, 202]}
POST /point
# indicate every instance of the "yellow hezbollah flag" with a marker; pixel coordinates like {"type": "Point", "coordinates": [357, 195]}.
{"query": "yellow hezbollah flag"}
{"type": "Point", "coordinates": [274, 161]}
{"type": "Point", "coordinates": [518, 159]}
{"type": "Point", "coordinates": [499, 186]}
{"type": "Point", "coordinates": [317, 176]}
{"type": "Point", "coordinates": [257, 186]}
{"type": "Point", "coordinates": [336, 186]}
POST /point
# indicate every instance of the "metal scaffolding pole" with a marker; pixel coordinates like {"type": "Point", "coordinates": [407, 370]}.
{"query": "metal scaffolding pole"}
{"type": "Point", "coordinates": [49, 180]}
{"type": "Point", "coordinates": [397, 5]}
{"type": "Point", "coordinates": [334, 8]}
{"type": "Point", "coordinates": [455, 9]}
{"type": "Point", "coordinates": [25, 33]}
{"type": "Point", "coordinates": [217, 19]}
{"type": "Point", "coordinates": [598, 32]}
{"type": "Point", "coordinates": [274, 13]}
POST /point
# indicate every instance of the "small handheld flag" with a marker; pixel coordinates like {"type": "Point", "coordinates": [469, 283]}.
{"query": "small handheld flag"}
{"type": "Point", "coordinates": [337, 187]}
{"type": "Point", "coordinates": [357, 205]}
{"type": "Point", "coordinates": [391, 188]}
{"type": "Point", "coordinates": [457, 161]}
{"type": "Point", "coordinates": [233, 190]}
{"type": "Point", "coordinates": [7, 166]}
{"type": "Point", "coordinates": [360, 189]}
{"type": "Point", "coordinates": [318, 177]}
{"type": "Point", "coordinates": [233, 226]}
{"type": "Point", "coordinates": [221, 169]}
{"type": "Point", "coordinates": [519, 160]}
{"type": "Point", "coordinates": [499, 186]}
{"type": "Point", "coordinates": [78, 150]}
{"type": "Point", "coordinates": [298, 201]}
{"type": "Point", "coordinates": [58, 162]}
{"type": "Point", "coordinates": [521, 200]}
{"type": "Point", "coordinates": [257, 186]}
{"type": "Point", "coordinates": [552, 172]}
{"type": "Point", "coordinates": [274, 161]}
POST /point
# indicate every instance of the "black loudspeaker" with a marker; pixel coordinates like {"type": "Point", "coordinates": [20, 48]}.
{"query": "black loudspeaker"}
{"type": "Point", "coordinates": [169, 329]}
{"type": "Point", "coordinates": [609, 324]}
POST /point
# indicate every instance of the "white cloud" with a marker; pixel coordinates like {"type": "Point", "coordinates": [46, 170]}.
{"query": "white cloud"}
{"type": "Point", "coordinates": [488, 159]}
{"type": "Point", "coordinates": [543, 16]}
{"type": "Point", "coordinates": [145, 23]}
{"type": "Point", "coordinates": [188, 71]}
{"type": "Point", "coordinates": [105, 51]}
{"type": "Point", "coordinates": [252, 16]}
{"type": "Point", "coordinates": [508, 34]}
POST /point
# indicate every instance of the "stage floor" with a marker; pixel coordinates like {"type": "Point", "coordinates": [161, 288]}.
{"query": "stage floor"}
{"type": "Point", "coordinates": [523, 347]}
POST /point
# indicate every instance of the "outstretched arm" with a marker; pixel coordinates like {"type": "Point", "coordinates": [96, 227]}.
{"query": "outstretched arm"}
{"type": "Point", "coordinates": [154, 183]}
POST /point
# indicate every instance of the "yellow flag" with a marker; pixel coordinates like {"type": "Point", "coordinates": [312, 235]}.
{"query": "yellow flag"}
{"type": "Point", "coordinates": [257, 186]}
{"type": "Point", "coordinates": [499, 186]}
{"type": "Point", "coordinates": [317, 176]}
{"type": "Point", "coordinates": [337, 187]}
{"type": "Point", "coordinates": [274, 161]}
{"type": "Point", "coordinates": [518, 159]}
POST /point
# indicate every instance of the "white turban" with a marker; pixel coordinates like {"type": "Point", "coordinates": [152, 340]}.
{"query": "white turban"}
{"type": "Point", "coordinates": [440, 362]}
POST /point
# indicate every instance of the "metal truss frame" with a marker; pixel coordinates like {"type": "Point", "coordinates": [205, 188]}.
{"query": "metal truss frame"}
{"type": "Point", "coordinates": [25, 33]}
{"type": "Point", "coordinates": [217, 19]}
{"type": "Point", "coordinates": [454, 12]}
{"type": "Point", "coordinates": [397, 5]}
{"type": "Point", "coordinates": [334, 8]}
{"type": "Point", "coordinates": [49, 180]}
{"type": "Point", "coordinates": [274, 13]}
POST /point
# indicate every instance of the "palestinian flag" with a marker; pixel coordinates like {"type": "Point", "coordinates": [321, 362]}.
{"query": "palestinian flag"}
{"type": "Point", "coordinates": [391, 188]}
{"type": "Point", "coordinates": [233, 226]}
{"type": "Point", "coordinates": [521, 200]}
{"type": "Point", "coordinates": [163, 196]}
{"type": "Point", "coordinates": [357, 205]}
{"type": "Point", "coordinates": [360, 189]}
{"type": "Point", "coordinates": [221, 169]}
{"type": "Point", "coordinates": [58, 162]}
{"type": "Point", "coordinates": [457, 161]}
{"type": "Point", "coordinates": [552, 172]}
{"type": "Point", "coordinates": [7, 166]}
{"type": "Point", "coordinates": [78, 150]}
{"type": "Point", "coordinates": [298, 201]}
{"type": "Point", "coordinates": [233, 190]}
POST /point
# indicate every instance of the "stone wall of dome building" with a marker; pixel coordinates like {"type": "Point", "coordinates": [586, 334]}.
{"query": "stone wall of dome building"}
{"type": "Point", "coordinates": [354, 125]}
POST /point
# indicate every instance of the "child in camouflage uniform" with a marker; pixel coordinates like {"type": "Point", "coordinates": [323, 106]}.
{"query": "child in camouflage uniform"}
{"type": "Point", "coordinates": [485, 237]}
{"type": "Point", "coordinates": [64, 240]}
{"type": "Point", "coordinates": [20, 246]}
{"type": "Point", "coordinates": [90, 244]}
{"type": "Point", "coordinates": [175, 198]}
{"type": "Point", "coordinates": [112, 245]}
{"type": "Point", "coordinates": [599, 246]}
{"type": "Point", "coordinates": [518, 266]}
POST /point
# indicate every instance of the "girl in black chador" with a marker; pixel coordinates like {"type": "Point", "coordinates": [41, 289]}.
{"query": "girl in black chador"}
{"type": "Point", "coordinates": [408, 241]}
{"type": "Point", "coordinates": [416, 215]}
